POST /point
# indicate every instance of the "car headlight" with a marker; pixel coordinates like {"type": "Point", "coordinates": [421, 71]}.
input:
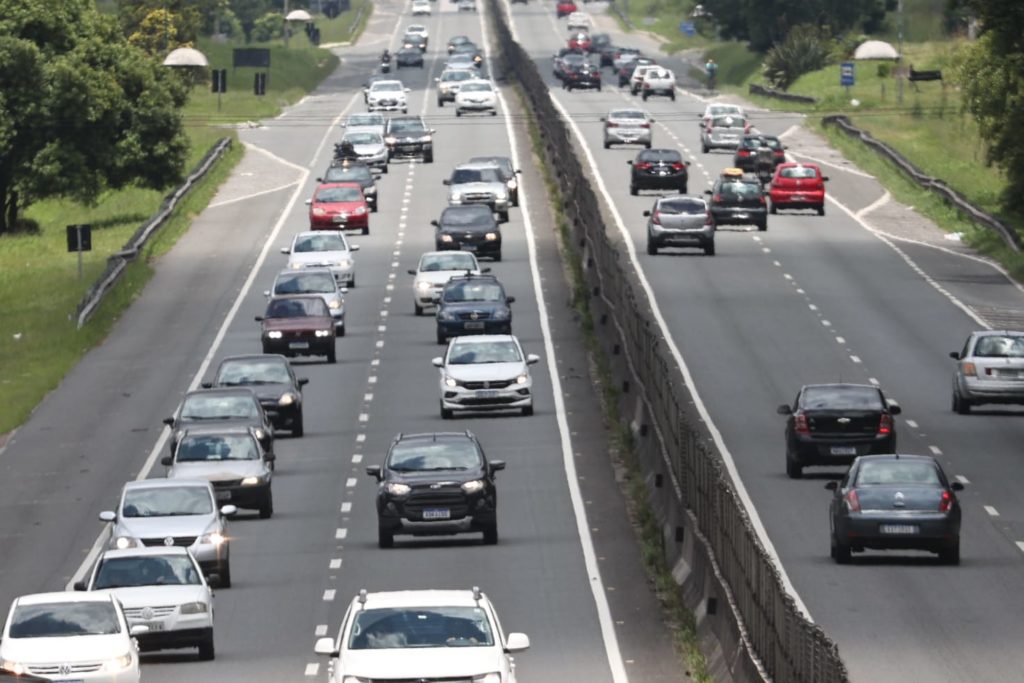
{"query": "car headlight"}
{"type": "Point", "coordinates": [473, 486]}
{"type": "Point", "coordinates": [502, 314]}
{"type": "Point", "coordinates": [511, 184]}
{"type": "Point", "coordinates": [294, 265]}
{"type": "Point", "coordinates": [372, 189]}
{"type": "Point", "coordinates": [125, 542]}
{"type": "Point", "coordinates": [491, 236]}
{"type": "Point", "coordinates": [344, 263]}
{"type": "Point", "coordinates": [195, 608]}
{"type": "Point", "coordinates": [260, 434]}
{"type": "Point", "coordinates": [390, 140]}
{"type": "Point", "coordinates": [322, 333]}
{"type": "Point", "coordinates": [446, 238]}
{"type": "Point", "coordinates": [251, 481]}
{"type": "Point", "coordinates": [317, 211]}
{"type": "Point", "coordinates": [455, 197]}
{"type": "Point", "coordinates": [213, 538]}
{"type": "Point", "coordinates": [397, 489]}
{"type": "Point", "coordinates": [275, 334]}
{"type": "Point", "coordinates": [501, 195]}
{"type": "Point", "coordinates": [334, 303]}
{"type": "Point", "coordinates": [287, 399]}
{"type": "Point", "coordinates": [118, 663]}
{"type": "Point", "coordinates": [425, 138]}
{"type": "Point", "coordinates": [16, 668]}
{"type": "Point", "coordinates": [450, 382]}
{"type": "Point", "coordinates": [423, 286]}
{"type": "Point", "coordinates": [360, 210]}
{"type": "Point", "coordinates": [445, 315]}
{"type": "Point", "coordinates": [522, 379]}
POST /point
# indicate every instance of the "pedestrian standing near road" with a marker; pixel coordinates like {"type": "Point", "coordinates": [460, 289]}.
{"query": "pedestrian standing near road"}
{"type": "Point", "coordinates": [711, 68]}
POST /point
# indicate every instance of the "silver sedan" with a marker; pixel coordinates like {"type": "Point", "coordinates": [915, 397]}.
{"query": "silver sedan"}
{"type": "Point", "coordinates": [990, 369]}
{"type": "Point", "coordinates": [627, 127]}
{"type": "Point", "coordinates": [680, 221]}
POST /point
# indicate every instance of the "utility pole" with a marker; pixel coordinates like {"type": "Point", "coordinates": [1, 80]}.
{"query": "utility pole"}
{"type": "Point", "coordinates": [899, 50]}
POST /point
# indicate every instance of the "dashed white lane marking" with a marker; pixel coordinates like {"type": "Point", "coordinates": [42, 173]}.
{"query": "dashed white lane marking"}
{"type": "Point", "coordinates": [387, 299]}
{"type": "Point", "coordinates": [373, 379]}
{"type": "Point", "coordinates": [962, 479]}
{"type": "Point", "coordinates": [313, 668]}
{"type": "Point", "coordinates": [1020, 545]}
{"type": "Point", "coordinates": [855, 359]}
{"type": "Point", "coordinates": [379, 343]}
{"type": "Point", "coordinates": [912, 424]}
{"type": "Point", "coordinates": [384, 314]}
{"type": "Point", "coordinates": [826, 323]}
{"type": "Point", "coordinates": [992, 512]}
{"type": "Point", "coordinates": [766, 250]}
{"type": "Point", "coordinates": [382, 328]}
{"type": "Point", "coordinates": [874, 381]}
{"type": "Point", "coordinates": [335, 563]}
{"type": "Point", "coordinates": [800, 291]}
{"type": "Point", "coordinates": [367, 397]}
{"type": "Point", "coordinates": [935, 450]}
{"type": "Point", "coordinates": [320, 630]}
{"type": "Point", "coordinates": [329, 595]}
{"type": "Point", "coordinates": [350, 482]}
{"type": "Point", "coordinates": [357, 458]}
{"type": "Point", "coordinates": [812, 307]}
{"type": "Point", "coordinates": [340, 534]}
{"type": "Point", "coordinates": [364, 417]}
{"type": "Point", "coordinates": [346, 507]}
{"type": "Point", "coordinates": [375, 361]}
{"type": "Point", "coordinates": [840, 340]}
{"type": "Point", "coordinates": [390, 287]}
{"type": "Point", "coordinates": [360, 438]}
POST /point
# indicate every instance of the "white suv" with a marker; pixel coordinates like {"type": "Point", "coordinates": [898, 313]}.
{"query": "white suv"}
{"type": "Point", "coordinates": [422, 635]}
{"type": "Point", "coordinates": [387, 96]}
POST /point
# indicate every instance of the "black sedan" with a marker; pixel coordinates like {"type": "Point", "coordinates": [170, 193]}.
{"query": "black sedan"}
{"type": "Point", "coordinates": [224, 407]}
{"type": "Point", "coordinates": [659, 169]}
{"type": "Point", "coordinates": [470, 227]}
{"type": "Point", "coordinates": [831, 424]}
{"type": "Point", "coordinates": [273, 380]}
{"type": "Point", "coordinates": [409, 56]}
{"type": "Point", "coordinates": [584, 76]}
{"type": "Point", "coordinates": [473, 304]}
{"type": "Point", "coordinates": [891, 502]}
{"type": "Point", "coordinates": [436, 484]}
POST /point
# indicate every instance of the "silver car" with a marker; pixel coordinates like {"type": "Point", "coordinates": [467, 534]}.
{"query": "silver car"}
{"type": "Point", "coordinates": [434, 271]}
{"type": "Point", "coordinates": [723, 132]}
{"type": "Point", "coordinates": [990, 369]}
{"type": "Point", "coordinates": [627, 127]}
{"type": "Point", "coordinates": [152, 512]}
{"type": "Point", "coordinates": [365, 121]}
{"type": "Point", "coordinates": [680, 221]}
{"type": "Point", "coordinates": [479, 184]}
{"type": "Point", "coordinates": [369, 147]}
{"type": "Point", "coordinates": [324, 249]}
{"type": "Point", "coordinates": [485, 372]}
{"type": "Point", "coordinates": [313, 281]}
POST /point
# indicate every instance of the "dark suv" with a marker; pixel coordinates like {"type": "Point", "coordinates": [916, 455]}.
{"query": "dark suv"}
{"type": "Point", "coordinates": [470, 227]}
{"type": "Point", "coordinates": [436, 484]}
{"type": "Point", "coordinates": [473, 304]}
{"type": "Point", "coordinates": [408, 137]}
{"type": "Point", "coordinates": [348, 171]}
{"type": "Point", "coordinates": [659, 169]}
{"type": "Point", "coordinates": [738, 199]}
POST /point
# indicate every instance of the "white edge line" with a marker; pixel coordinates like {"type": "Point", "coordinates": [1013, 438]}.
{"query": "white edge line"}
{"type": "Point", "coordinates": [597, 589]}
{"type": "Point", "coordinates": [881, 201]}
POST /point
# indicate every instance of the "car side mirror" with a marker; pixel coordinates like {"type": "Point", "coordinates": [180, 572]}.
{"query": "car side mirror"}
{"type": "Point", "coordinates": [309, 202]}
{"type": "Point", "coordinates": [832, 485]}
{"type": "Point", "coordinates": [266, 292]}
{"type": "Point", "coordinates": [228, 510]}
{"type": "Point", "coordinates": [269, 457]}
{"type": "Point", "coordinates": [207, 385]}
{"type": "Point", "coordinates": [510, 300]}
{"type": "Point", "coordinates": [434, 223]}
{"type": "Point", "coordinates": [485, 270]}
{"type": "Point", "coordinates": [957, 486]}
{"type": "Point", "coordinates": [437, 362]}
{"type": "Point", "coordinates": [517, 642]}
{"type": "Point", "coordinates": [432, 131]}
{"type": "Point", "coordinates": [374, 471]}
{"type": "Point", "coordinates": [629, 163]}
{"type": "Point", "coordinates": [437, 80]}
{"type": "Point", "coordinates": [497, 465]}
{"type": "Point", "coordinates": [258, 318]}
{"type": "Point", "coordinates": [895, 410]}
{"type": "Point", "coordinates": [824, 178]}
{"type": "Point", "coordinates": [647, 213]}
{"type": "Point", "coordinates": [108, 516]}
{"type": "Point", "coordinates": [408, 90]}
{"type": "Point", "coordinates": [168, 421]}
{"type": "Point", "coordinates": [784, 409]}
{"type": "Point", "coordinates": [532, 359]}
{"type": "Point", "coordinates": [519, 171]}
{"type": "Point", "coordinates": [80, 586]}
{"type": "Point", "coordinates": [343, 290]}
{"type": "Point", "coordinates": [446, 181]}
{"type": "Point", "coordinates": [687, 162]}
{"type": "Point", "coordinates": [955, 355]}
{"type": "Point", "coordinates": [286, 250]}
{"type": "Point", "coordinates": [213, 580]}
{"type": "Point", "coordinates": [325, 646]}
{"type": "Point", "coordinates": [603, 119]}
{"type": "Point", "coordinates": [302, 381]}
{"type": "Point", "coordinates": [167, 461]}
{"type": "Point", "coordinates": [353, 247]}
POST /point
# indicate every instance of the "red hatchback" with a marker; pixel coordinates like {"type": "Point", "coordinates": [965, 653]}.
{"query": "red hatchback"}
{"type": "Point", "coordinates": [564, 8]}
{"type": "Point", "coordinates": [580, 41]}
{"type": "Point", "coordinates": [339, 206]}
{"type": "Point", "coordinates": [798, 186]}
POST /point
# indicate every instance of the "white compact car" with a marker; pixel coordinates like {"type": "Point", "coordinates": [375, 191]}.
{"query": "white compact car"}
{"type": "Point", "coordinates": [578, 21]}
{"type": "Point", "coordinates": [485, 372]}
{"type": "Point", "coordinates": [658, 81]}
{"type": "Point", "coordinates": [715, 110]}
{"type": "Point", "coordinates": [447, 635]}
{"type": "Point", "coordinates": [479, 96]}
{"type": "Point", "coordinates": [434, 271]}
{"type": "Point", "coordinates": [419, 30]}
{"type": "Point", "coordinates": [421, 7]}
{"type": "Point", "coordinates": [387, 96]}
{"type": "Point", "coordinates": [161, 589]}
{"type": "Point", "coordinates": [70, 637]}
{"type": "Point", "coordinates": [324, 249]}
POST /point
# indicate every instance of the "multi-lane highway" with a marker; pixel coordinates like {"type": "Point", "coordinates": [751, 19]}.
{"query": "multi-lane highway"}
{"type": "Point", "coordinates": [824, 299]}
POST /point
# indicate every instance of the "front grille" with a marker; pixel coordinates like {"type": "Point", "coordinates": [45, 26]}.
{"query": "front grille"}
{"type": "Point", "coordinates": [479, 315]}
{"type": "Point", "coordinates": [183, 541]}
{"type": "Point", "coordinates": [489, 401]}
{"type": "Point", "coordinates": [478, 197]}
{"type": "Point", "coordinates": [420, 500]}
{"type": "Point", "coordinates": [497, 384]}
{"type": "Point", "coordinates": [227, 483]}
{"type": "Point", "coordinates": [135, 613]}
{"type": "Point", "coordinates": [65, 669]}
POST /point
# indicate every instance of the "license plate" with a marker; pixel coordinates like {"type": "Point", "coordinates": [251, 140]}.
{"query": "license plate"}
{"type": "Point", "coordinates": [437, 513]}
{"type": "Point", "coordinates": [340, 218]}
{"type": "Point", "coordinates": [298, 345]}
{"type": "Point", "coordinates": [1010, 374]}
{"type": "Point", "coordinates": [223, 495]}
{"type": "Point", "coordinates": [154, 625]}
{"type": "Point", "coordinates": [741, 215]}
{"type": "Point", "coordinates": [843, 450]}
{"type": "Point", "coordinates": [474, 326]}
{"type": "Point", "coordinates": [486, 393]}
{"type": "Point", "coordinates": [797, 198]}
{"type": "Point", "coordinates": [898, 529]}
{"type": "Point", "coordinates": [662, 172]}
{"type": "Point", "coordinates": [467, 247]}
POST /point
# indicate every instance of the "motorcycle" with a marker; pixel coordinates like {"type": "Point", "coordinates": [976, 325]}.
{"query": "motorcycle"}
{"type": "Point", "coordinates": [764, 165]}
{"type": "Point", "coordinates": [385, 67]}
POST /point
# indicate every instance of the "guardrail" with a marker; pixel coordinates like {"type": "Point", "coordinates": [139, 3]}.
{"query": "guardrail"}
{"type": "Point", "coordinates": [765, 91]}
{"type": "Point", "coordinates": [118, 261]}
{"type": "Point", "coordinates": [785, 645]}
{"type": "Point", "coordinates": [1010, 237]}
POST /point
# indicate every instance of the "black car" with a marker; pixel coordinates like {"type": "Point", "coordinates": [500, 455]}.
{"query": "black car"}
{"type": "Point", "coordinates": [600, 42]}
{"type": "Point", "coordinates": [584, 76]}
{"type": "Point", "coordinates": [470, 49]}
{"type": "Point", "coordinates": [349, 171]}
{"type": "Point", "coordinates": [473, 304]}
{"type": "Point", "coordinates": [409, 137]}
{"type": "Point", "coordinates": [455, 41]}
{"type": "Point", "coordinates": [738, 200]}
{"type": "Point", "coordinates": [409, 56]}
{"type": "Point", "coordinates": [745, 156]}
{"type": "Point", "coordinates": [273, 380]}
{"type": "Point", "coordinates": [509, 172]}
{"type": "Point", "coordinates": [565, 59]}
{"type": "Point", "coordinates": [414, 40]}
{"type": "Point", "coordinates": [890, 502]}
{"type": "Point", "coordinates": [224, 408]}
{"type": "Point", "coordinates": [658, 169]}
{"type": "Point", "coordinates": [831, 424]}
{"type": "Point", "coordinates": [436, 484]}
{"type": "Point", "coordinates": [470, 227]}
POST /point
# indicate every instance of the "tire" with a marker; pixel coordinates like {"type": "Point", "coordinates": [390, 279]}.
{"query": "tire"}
{"type": "Point", "coordinates": [794, 470]}
{"type": "Point", "coordinates": [267, 511]}
{"type": "Point", "coordinates": [672, 95]}
{"type": "Point", "coordinates": [417, 309]}
{"type": "Point", "coordinates": [497, 256]}
{"type": "Point", "coordinates": [491, 534]}
{"type": "Point", "coordinates": [298, 428]}
{"type": "Point", "coordinates": [515, 198]}
{"type": "Point", "coordinates": [704, 148]}
{"type": "Point", "coordinates": [607, 145]}
{"type": "Point", "coordinates": [652, 248]}
{"type": "Point", "coordinates": [441, 338]}
{"type": "Point", "coordinates": [385, 539]}
{"type": "Point", "coordinates": [206, 651]}
{"type": "Point", "coordinates": [383, 170]}
{"type": "Point", "coordinates": [458, 112]}
{"type": "Point", "coordinates": [709, 250]}
{"type": "Point", "coordinates": [503, 216]}
{"type": "Point", "coordinates": [682, 188]}
{"type": "Point", "coordinates": [821, 210]}
{"type": "Point", "coordinates": [951, 554]}
{"type": "Point", "coordinates": [647, 145]}
{"type": "Point", "coordinates": [528, 411]}
{"type": "Point", "coordinates": [440, 102]}
{"type": "Point", "coordinates": [332, 355]}
{"type": "Point", "coordinates": [763, 226]}
{"type": "Point", "coordinates": [224, 572]}
{"type": "Point", "coordinates": [429, 158]}
{"type": "Point", "coordinates": [341, 331]}
{"type": "Point", "coordinates": [645, 97]}
{"type": "Point", "coordinates": [840, 553]}
{"type": "Point", "coordinates": [961, 406]}
{"type": "Point", "coordinates": [352, 283]}
{"type": "Point", "coordinates": [494, 112]}
{"type": "Point", "coordinates": [373, 209]}
{"type": "Point", "coordinates": [773, 209]}
{"type": "Point", "coordinates": [366, 230]}
{"type": "Point", "coordinates": [633, 190]}
{"type": "Point", "coordinates": [446, 413]}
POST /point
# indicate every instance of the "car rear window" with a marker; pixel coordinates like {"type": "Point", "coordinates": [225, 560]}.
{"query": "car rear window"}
{"type": "Point", "coordinates": [669, 155]}
{"type": "Point", "coordinates": [727, 122]}
{"type": "Point", "coordinates": [897, 472]}
{"type": "Point", "coordinates": [999, 347]}
{"type": "Point", "coordinates": [682, 206]}
{"type": "Point", "coordinates": [798, 172]}
{"type": "Point", "coordinates": [841, 398]}
{"type": "Point", "coordinates": [305, 283]}
{"type": "Point", "coordinates": [741, 189]}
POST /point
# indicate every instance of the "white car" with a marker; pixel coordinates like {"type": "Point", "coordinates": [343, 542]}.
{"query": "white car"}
{"type": "Point", "coordinates": [714, 110]}
{"type": "Point", "coordinates": [387, 96]}
{"type": "Point", "coordinates": [658, 81]}
{"type": "Point", "coordinates": [434, 271]}
{"type": "Point", "coordinates": [324, 249]}
{"type": "Point", "coordinates": [419, 30]}
{"type": "Point", "coordinates": [485, 372]}
{"type": "Point", "coordinates": [163, 590]}
{"type": "Point", "coordinates": [70, 637]}
{"type": "Point", "coordinates": [476, 96]}
{"type": "Point", "coordinates": [578, 21]}
{"type": "Point", "coordinates": [637, 77]}
{"type": "Point", "coordinates": [422, 635]}
{"type": "Point", "coordinates": [365, 121]}
{"type": "Point", "coordinates": [420, 7]}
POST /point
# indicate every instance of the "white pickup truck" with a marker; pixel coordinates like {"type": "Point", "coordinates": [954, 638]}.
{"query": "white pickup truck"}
{"type": "Point", "coordinates": [658, 81]}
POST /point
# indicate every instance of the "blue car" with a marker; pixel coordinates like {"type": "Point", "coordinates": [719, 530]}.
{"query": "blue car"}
{"type": "Point", "coordinates": [473, 304]}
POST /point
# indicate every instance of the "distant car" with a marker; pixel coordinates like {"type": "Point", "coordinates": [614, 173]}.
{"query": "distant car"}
{"type": "Point", "coordinates": [680, 221]}
{"type": "Point", "coordinates": [715, 110]}
{"type": "Point", "coordinates": [798, 186]}
{"type": "Point", "coordinates": [449, 82]}
{"type": "Point", "coordinates": [466, 5]}
{"type": "Point", "coordinates": [509, 173]}
{"type": "Point", "coordinates": [586, 76]}
{"type": "Point", "coordinates": [989, 369]}
{"type": "Point", "coordinates": [636, 78]}
{"type": "Point", "coordinates": [479, 183]}
{"type": "Point", "coordinates": [316, 281]}
{"type": "Point", "coordinates": [566, 60]}
{"type": "Point", "coordinates": [745, 156]}
{"type": "Point", "coordinates": [384, 636]}
{"type": "Point", "coordinates": [471, 50]}
{"type": "Point", "coordinates": [658, 81]}
{"type": "Point", "coordinates": [468, 228]}
{"type": "Point", "coordinates": [162, 589]}
{"type": "Point", "coordinates": [434, 270]}
{"type": "Point", "coordinates": [658, 169]}
{"type": "Point", "coordinates": [369, 84]}
{"type": "Point", "coordinates": [231, 459]}
{"type": "Point", "coordinates": [457, 40]}
{"type": "Point", "coordinates": [627, 127]}
{"type": "Point", "coordinates": [339, 206]}
{"type": "Point", "coordinates": [623, 55]}
{"type": "Point", "coordinates": [409, 56]}
{"type": "Point", "coordinates": [368, 121]}
{"type": "Point", "coordinates": [473, 304]}
{"type": "Point", "coordinates": [408, 137]}
{"type": "Point", "coordinates": [578, 21]}
{"type": "Point", "coordinates": [228, 407]}
{"type": "Point", "coordinates": [778, 149]}
{"type": "Point", "coordinates": [324, 249]}
{"type": "Point", "coordinates": [86, 634]}
{"type": "Point", "coordinates": [418, 30]}
{"type": "Point", "coordinates": [298, 326]}
{"type": "Point", "coordinates": [387, 96]}
{"type": "Point", "coordinates": [891, 502]}
{"type": "Point", "coordinates": [579, 41]}
{"type": "Point", "coordinates": [462, 60]}
{"type": "Point", "coordinates": [433, 484]}
{"type": "Point", "coordinates": [420, 7]}
{"type": "Point", "coordinates": [369, 148]}
{"type": "Point", "coordinates": [831, 424]}
{"type": "Point", "coordinates": [723, 132]}
{"type": "Point", "coordinates": [476, 96]}
{"type": "Point", "coordinates": [354, 172]}
{"type": "Point", "coordinates": [273, 380]}
{"type": "Point", "coordinates": [414, 41]}
{"type": "Point", "coordinates": [150, 511]}
{"type": "Point", "coordinates": [738, 199]}
{"type": "Point", "coordinates": [599, 44]}
{"type": "Point", "coordinates": [487, 372]}
{"type": "Point", "coordinates": [564, 8]}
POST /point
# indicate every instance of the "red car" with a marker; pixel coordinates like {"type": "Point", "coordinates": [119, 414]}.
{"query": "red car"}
{"type": "Point", "coordinates": [339, 206]}
{"type": "Point", "coordinates": [580, 41]}
{"type": "Point", "coordinates": [798, 186]}
{"type": "Point", "coordinates": [564, 8]}
{"type": "Point", "coordinates": [298, 325]}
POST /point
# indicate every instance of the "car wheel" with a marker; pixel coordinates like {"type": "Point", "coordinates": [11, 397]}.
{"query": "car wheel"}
{"type": "Point", "coordinates": [341, 330]}
{"type": "Point", "coordinates": [704, 148]}
{"type": "Point", "coordinates": [373, 209]}
{"type": "Point", "coordinates": [441, 338]}
{"type": "Point", "coordinates": [385, 539]}
{"type": "Point", "coordinates": [224, 572]}
{"type": "Point", "coordinates": [645, 97]}
{"type": "Point", "coordinates": [793, 468]}
{"type": "Point", "coordinates": [950, 554]}
{"type": "Point", "coordinates": [652, 248]}
{"type": "Point", "coordinates": [632, 189]}
{"type": "Point", "coordinates": [440, 102]}
{"type": "Point", "coordinates": [446, 413]}
{"type": "Point", "coordinates": [429, 158]}
{"type": "Point", "coordinates": [266, 349]}
{"type": "Point", "coordinates": [383, 170]}
{"type": "Point", "coordinates": [709, 249]}
{"type": "Point", "coordinates": [840, 553]}
{"type": "Point", "coordinates": [206, 651]}
{"type": "Point", "coordinates": [267, 511]}
{"type": "Point", "coordinates": [607, 145]}
{"type": "Point", "coordinates": [491, 534]}
{"type": "Point", "coordinates": [773, 209]}
{"type": "Point", "coordinates": [494, 112]}
{"type": "Point", "coordinates": [821, 210]}
{"type": "Point", "coordinates": [528, 410]}
{"type": "Point", "coordinates": [682, 188]}
{"type": "Point", "coordinates": [672, 95]}
{"type": "Point", "coordinates": [762, 226]}
{"type": "Point", "coordinates": [366, 230]}
{"type": "Point", "coordinates": [503, 216]}
{"type": "Point", "coordinates": [352, 283]}
{"type": "Point", "coordinates": [647, 145]}
{"type": "Point", "coordinates": [298, 428]}
{"type": "Point", "coordinates": [497, 256]}
{"type": "Point", "coordinates": [960, 404]}
{"type": "Point", "coordinates": [515, 198]}
{"type": "Point", "coordinates": [417, 309]}
{"type": "Point", "coordinates": [332, 355]}
{"type": "Point", "coordinates": [458, 112]}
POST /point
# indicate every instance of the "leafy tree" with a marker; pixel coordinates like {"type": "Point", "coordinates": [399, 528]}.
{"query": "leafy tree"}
{"type": "Point", "coordinates": [81, 110]}
{"type": "Point", "coordinates": [268, 27]}
{"type": "Point", "coordinates": [163, 24]}
{"type": "Point", "coordinates": [248, 12]}
{"type": "Point", "coordinates": [807, 48]}
{"type": "Point", "coordinates": [765, 23]}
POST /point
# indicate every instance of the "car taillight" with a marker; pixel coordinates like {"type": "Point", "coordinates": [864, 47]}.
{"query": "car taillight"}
{"type": "Point", "coordinates": [852, 502]}
{"type": "Point", "coordinates": [642, 165]}
{"type": "Point", "coordinates": [946, 501]}
{"type": "Point", "coordinates": [645, 125]}
{"type": "Point", "coordinates": [969, 369]}
{"type": "Point", "coordinates": [762, 199]}
{"type": "Point", "coordinates": [611, 124]}
{"type": "Point", "coordinates": [743, 153]}
{"type": "Point", "coordinates": [716, 198]}
{"type": "Point", "coordinates": [800, 425]}
{"type": "Point", "coordinates": [677, 166]}
{"type": "Point", "coordinates": [885, 424]}
{"type": "Point", "coordinates": [708, 220]}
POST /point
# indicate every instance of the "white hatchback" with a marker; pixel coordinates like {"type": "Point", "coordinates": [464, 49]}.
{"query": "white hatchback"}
{"type": "Point", "coordinates": [324, 249]}
{"type": "Point", "coordinates": [485, 372]}
{"type": "Point", "coordinates": [421, 7]}
{"type": "Point", "coordinates": [387, 96]}
{"type": "Point", "coordinates": [435, 269]}
{"type": "Point", "coordinates": [578, 21]}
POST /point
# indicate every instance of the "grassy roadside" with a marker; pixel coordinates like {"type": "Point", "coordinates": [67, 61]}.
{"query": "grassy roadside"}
{"type": "Point", "coordinates": [347, 26]}
{"type": "Point", "coordinates": [677, 617]}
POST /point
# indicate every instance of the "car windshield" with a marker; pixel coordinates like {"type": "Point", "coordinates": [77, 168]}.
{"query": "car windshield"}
{"type": "Point", "coordinates": [398, 627]}
{"type": "Point", "coordinates": [244, 372]}
{"type": "Point", "coordinates": [386, 86]}
{"type": "Point", "coordinates": [727, 122]}
{"type": "Point", "coordinates": [416, 455]}
{"type": "Point", "coordinates": [475, 175]}
{"type": "Point", "coordinates": [471, 353]}
{"type": "Point", "coordinates": [355, 173]}
{"type": "Point", "coordinates": [457, 75]}
{"type": "Point", "coordinates": [326, 195]}
{"type": "Point", "coordinates": [771, 142]}
{"type": "Point", "coordinates": [998, 346]}
{"type": "Point", "coordinates": [738, 189]}
{"type": "Point", "coordinates": [473, 291]}
{"type": "Point", "coordinates": [167, 501]}
{"type": "Point", "coordinates": [305, 283]}
{"type": "Point", "coordinates": [453, 261]}
{"type": "Point", "coordinates": [322, 242]}
{"type": "Point", "coordinates": [365, 120]}
{"type": "Point", "coordinates": [841, 398]}
{"type": "Point", "coordinates": [503, 163]}
{"type": "Point", "coordinates": [477, 87]}
{"type": "Point", "coordinates": [64, 619]}
{"type": "Point", "coordinates": [297, 308]}
{"type": "Point", "coordinates": [460, 59]}
{"type": "Point", "coordinates": [897, 472]}
{"type": "Point", "coordinates": [407, 126]}
{"type": "Point", "coordinates": [477, 215]}
{"type": "Point", "coordinates": [717, 109]}
{"type": "Point", "coordinates": [152, 570]}
{"type": "Point", "coordinates": [215, 447]}
{"type": "Point", "coordinates": [219, 406]}
{"type": "Point", "coordinates": [364, 139]}
{"type": "Point", "coordinates": [798, 172]}
{"type": "Point", "coordinates": [683, 205]}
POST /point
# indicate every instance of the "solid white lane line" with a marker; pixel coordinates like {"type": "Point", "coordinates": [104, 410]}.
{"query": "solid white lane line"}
{"type": "Point", "coordinates": [992, 512]}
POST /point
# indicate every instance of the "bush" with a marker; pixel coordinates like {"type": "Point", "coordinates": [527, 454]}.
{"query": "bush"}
{"type": "Point", "coordinates": [884, 70]}
{"type": "Point", "coordinates": [268, 27]}
{"type": "Point", "coordinates": [807, 48]}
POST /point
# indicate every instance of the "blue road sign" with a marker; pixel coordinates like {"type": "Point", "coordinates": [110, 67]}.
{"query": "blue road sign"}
{"type": "Point", "coordinates": [846, 77]}
{"type": "Point", "coordinates": [688, 29]}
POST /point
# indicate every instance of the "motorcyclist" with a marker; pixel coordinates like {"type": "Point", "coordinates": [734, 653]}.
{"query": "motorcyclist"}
{"type": "Point", "coordinates": [764, 162]}
{"type": "Point", "coordinates": [345, 150]}
{"type": "Point", "coordinates": [386, 57]}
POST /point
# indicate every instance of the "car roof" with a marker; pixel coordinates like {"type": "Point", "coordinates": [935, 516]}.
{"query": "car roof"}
{"type": "Point", "coordinates": [166, 484]}
{"type": "Point", "coordinates": [881, 457]}
{"type": "Point", "coordinates": [492, 159]}
{"type": "Point", "coordinates": [281, 297]}
{"type": "Point", "coordinates": [147, 551]}
{"type": "Point", "coordinates": [474, 277]}
{"type": "Point", "coordinates": [624, 110]}
{"type": "Point", "coordinates": [998, 333]}
{"type": "Point", "coordinates": [422, 598]}
{"type": "Point", "coordinates": [434, 436]}
{"type": "Point", "coordinates": [225, 429]}
{"type": "Point", "coordinates": [486, 338]}
{"type": "Point", "coordinates": [64, 596]}
{"type": "Point", "coordinates": [840, 385]}
{"type": "Point", "coordinates": [475, 166]}
{"type": "Point", "coordinates": [314, 233]}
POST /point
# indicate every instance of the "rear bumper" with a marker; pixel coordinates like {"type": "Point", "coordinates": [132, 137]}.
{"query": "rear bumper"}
{"type": "Point", "coordinates": [819, 451]}
{"type": "Point", "coordinates": [681, 238]}
{"type": "Point", "coordinates": [934, 531]}
{"type": "Point", "coordinates": [788, 199]}
{"type": "Point", "coordinates": [660, 182]}
{"type": "Point", "coordinates": [991, 391]}
{"type": "Point", "coordinates": [739, 217]}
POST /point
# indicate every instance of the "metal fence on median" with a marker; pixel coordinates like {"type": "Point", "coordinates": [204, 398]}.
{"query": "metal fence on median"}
{"type": "Point", "coordinates": [789, 646]}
